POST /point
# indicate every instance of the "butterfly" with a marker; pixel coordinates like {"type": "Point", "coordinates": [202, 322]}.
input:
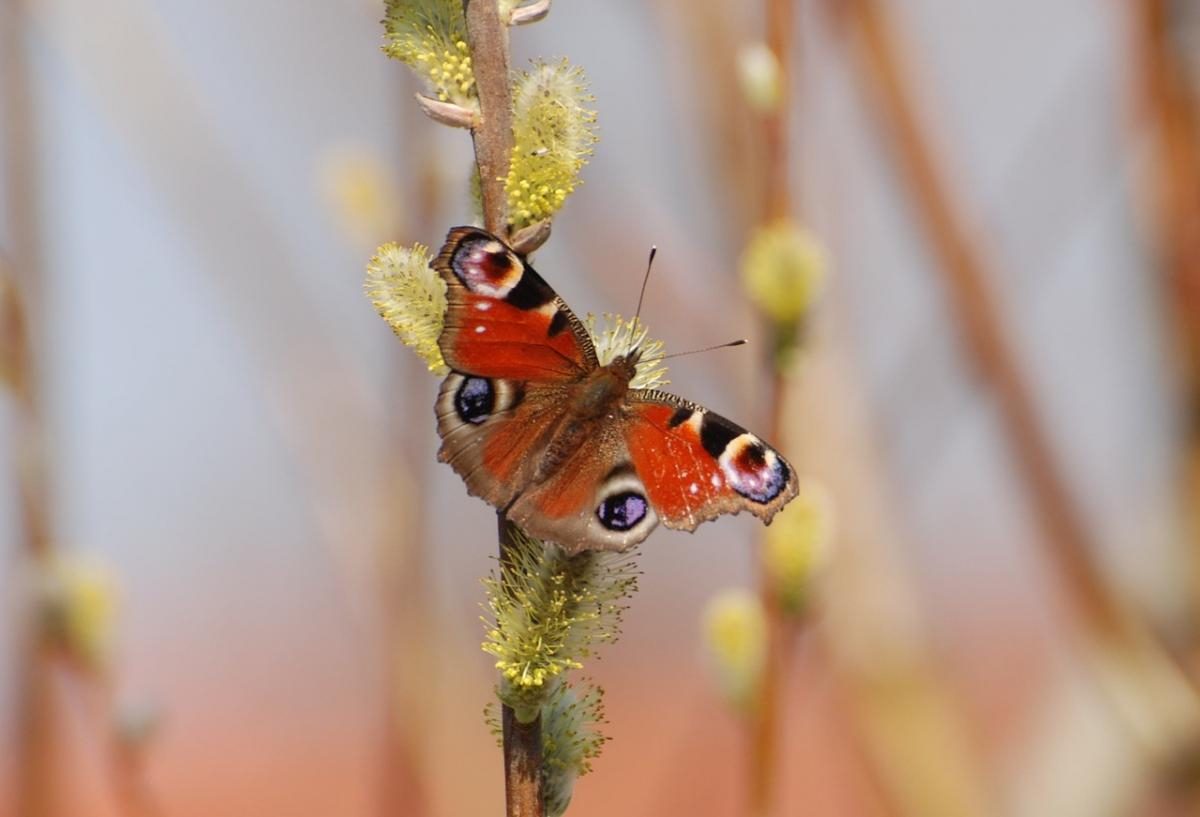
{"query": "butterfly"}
{"type": "Point", "coordinates": [563, 445]}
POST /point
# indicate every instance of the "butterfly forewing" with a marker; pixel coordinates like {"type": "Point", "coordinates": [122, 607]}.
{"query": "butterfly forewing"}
{"type": "Point", "coordinates": [502, 319]}
{"type": "Point", "coordinates": [697, 465]}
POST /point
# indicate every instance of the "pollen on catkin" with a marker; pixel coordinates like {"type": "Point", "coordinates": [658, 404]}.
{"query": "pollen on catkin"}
{"type": "Point", "coordinates": [411, 297]}
{"type": "Point", "coordinates": [548, 612]}
{"type": "Point", "coordinates": [615, 336]}
{"type": "Point", "coordinates": [430, 36]}
{"type": "Point", "coordinates": [553, 135]}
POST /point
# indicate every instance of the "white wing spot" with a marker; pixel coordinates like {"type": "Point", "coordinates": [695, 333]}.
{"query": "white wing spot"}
{"type": "Point", "coordinates": [694, 488]}
{"type": "Point", "coordinates": [716, 481]}
{"type": "Point", "coordinates": [479, 330]}
{"type": "Point", "coordinates": [483, 306]}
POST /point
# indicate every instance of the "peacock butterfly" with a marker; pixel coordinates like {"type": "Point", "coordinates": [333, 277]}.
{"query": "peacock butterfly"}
{"type": "Point", "coordinates": [564, 446]}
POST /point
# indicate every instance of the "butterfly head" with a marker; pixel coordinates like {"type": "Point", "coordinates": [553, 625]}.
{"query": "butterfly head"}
{"type": "Point", "coordinates": [625, 366]}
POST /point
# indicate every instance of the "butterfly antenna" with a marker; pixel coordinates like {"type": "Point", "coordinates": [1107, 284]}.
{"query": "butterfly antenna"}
{"type": "Point", "coordinates": [738, 342]}
{"type": "Point", "coordinates": [645, 280]}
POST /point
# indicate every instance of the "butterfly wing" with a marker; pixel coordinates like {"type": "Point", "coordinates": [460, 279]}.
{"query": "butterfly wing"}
{"type": "Point", "coordinates": [493, 432]}
{"type": "Point", "coordinates": [557, 479]}
{"type": "Point", "coordinates": [502, 319]}
{"type": "Point", "coordinates": [593, 501]}
{"type": "Point", "coordinates": [696, 465]}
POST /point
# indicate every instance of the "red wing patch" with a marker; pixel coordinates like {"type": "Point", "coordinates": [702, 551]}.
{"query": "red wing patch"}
{"type": "Point", "coordinates": [697, 465]}
{"type": "Point", "coordinates": [503, 320]}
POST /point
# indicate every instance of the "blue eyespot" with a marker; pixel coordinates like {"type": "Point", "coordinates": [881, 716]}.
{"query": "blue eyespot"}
{"type": "Point", "coordinates": [475, 400]}
{"type": "Point", "coordinates": [623, 511]}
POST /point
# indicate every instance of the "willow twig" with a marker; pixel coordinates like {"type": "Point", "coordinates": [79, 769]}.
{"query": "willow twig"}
{"type": "Point", "coordinates": [488, 39]}
{"type": "Point", "coordinates": [35, 769]}
{"type": "Point", "coordinates": [1170, 110]}
{"type": "Point", "coordinates": [777, 204]}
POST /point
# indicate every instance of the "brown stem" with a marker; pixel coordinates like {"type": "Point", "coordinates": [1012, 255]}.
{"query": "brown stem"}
{"type": "Point", "coordinates": [523, 795]}
{"type": "Point", "coordinates": [780, 23]}
{"type": "Point", "coordinates": [1168, 103]}
{"type": "Point", "coordinates": [35, 768]}
{"type": "Point", "coordinates": [777, 204]}
{"type": "Point", "coordinates": [964, 275]}
{"type": "Point", "coordinates": [488, 38]}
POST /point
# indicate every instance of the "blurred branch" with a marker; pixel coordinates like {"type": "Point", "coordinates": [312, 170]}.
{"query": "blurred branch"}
{"type": "Point", "coordinates": [964, 271]}
{"type": "Point", "coordinates": [1108, 623]}
{"type": "Point", "coordinates": [769, 716]}
{"type": "Point", "coordinates": [1169, 105]}
{"type": "Point", "coordinates": [36, 790]}
{"type": "Point", "coordinates": [916, 742]}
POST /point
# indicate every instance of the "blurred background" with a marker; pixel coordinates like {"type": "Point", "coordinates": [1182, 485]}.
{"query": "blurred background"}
{"type": "Point", "coordinates": [225, 462]}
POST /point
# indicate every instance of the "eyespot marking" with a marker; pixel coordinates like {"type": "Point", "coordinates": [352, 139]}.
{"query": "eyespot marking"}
{"type": "Point", "coordinates": [623, 511]}
{"type": "Point", "coordinates": [475, 400]}
{"type": "Point", "coordinates": [752, 469]}
{"type": "Point", "coordinates": [487, 268]}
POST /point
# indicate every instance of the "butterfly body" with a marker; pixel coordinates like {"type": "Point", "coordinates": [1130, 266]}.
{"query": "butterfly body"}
{"type": "Point", "coordinates": [565, 446]}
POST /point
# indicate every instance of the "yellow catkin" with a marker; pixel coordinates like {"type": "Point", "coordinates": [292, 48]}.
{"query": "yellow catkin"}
{"type": "Point", "coordinates": [430, 36]}
{"type": "Point", "coordinates": [783, 270]}
{"type": "Point", "coordinates": [735, 632]}
{"type": "Point", "coordinates": [553, 135]}
{"type": "Point", "coordinates": [798, 544]}
{"type": "Point", "coordinates": [411, 297]}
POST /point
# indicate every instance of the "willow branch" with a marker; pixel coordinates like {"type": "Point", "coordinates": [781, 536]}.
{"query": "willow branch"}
{"type": "Point", "coordinates": [35, 768]}
{"type": "Point", "coordinates": [1169, 105]}
{"type": "Point", "coordinates": [781, 632]}
{"type": "Point", "coordinates": [523, 795]}
{"type": "Point", "coordinates": [488, 39]}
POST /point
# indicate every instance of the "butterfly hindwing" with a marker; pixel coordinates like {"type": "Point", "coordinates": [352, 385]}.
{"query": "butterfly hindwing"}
{"type": "Point", "coordinates": [503, 320]}
{"type": "Point", "coordinates": [560, 480]}
{"type": "Point", "coordinates": [696, 465]}
{"type": "Point", "coordinates": [593, 500]}
{"type": "Point", "coordinates": [494, 430]}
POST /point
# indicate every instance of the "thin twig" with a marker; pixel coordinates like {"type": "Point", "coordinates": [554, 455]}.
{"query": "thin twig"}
{"type": "Point", "coordinates": [523, 795]}
{"type": "Point", "coordinates": [777, 204]}
{"type": "Point", "coordinates": [1170, 109]}
{"type": "Point", "coordinates": [488, 39]}
{"type": "Point", "coordinates": [37, 787]}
